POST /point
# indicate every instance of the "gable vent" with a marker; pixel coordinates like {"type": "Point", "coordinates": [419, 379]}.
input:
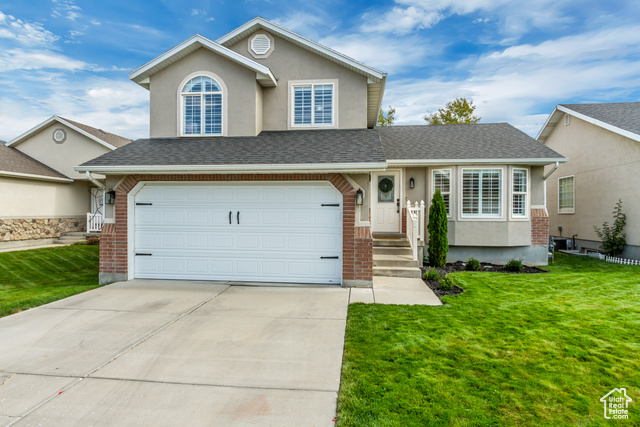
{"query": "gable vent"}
{"type": "Point", "coordinates": [260, 44]}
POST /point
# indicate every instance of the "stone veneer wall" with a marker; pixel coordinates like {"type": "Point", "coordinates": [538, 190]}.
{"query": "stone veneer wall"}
{"type": "Point", "coordinates": [38, 228]}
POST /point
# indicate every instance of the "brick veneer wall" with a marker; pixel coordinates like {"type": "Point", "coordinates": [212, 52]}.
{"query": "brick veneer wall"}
{"type": "Point", "coordinates": [357, 250]}
{"type": "Point", "coordinates": [539, 227]}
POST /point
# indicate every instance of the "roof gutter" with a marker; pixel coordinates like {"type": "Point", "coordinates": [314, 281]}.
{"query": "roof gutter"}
{"type": "Point", "coordinates": [94, 181]}
{"type": "Point", "coordinates": [234, 169]}
{"type": "Point", "coordinates": [443, 162]}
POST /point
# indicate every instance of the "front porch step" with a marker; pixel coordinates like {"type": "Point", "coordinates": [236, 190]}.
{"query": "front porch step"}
{"type": "Point", "coordinates": [394, 261]}
{"type": "Point", "coordinates": [411, 272]}
{"type": "Point", "coordinates": [67, 238]}
{"type": "Point", "coordinates": [393, 250]}
{"type": "Point", "coordinates": [391, 243]}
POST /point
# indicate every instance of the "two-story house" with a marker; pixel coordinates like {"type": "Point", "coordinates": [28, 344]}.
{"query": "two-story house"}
{"type": "Point", "coordinates": [264, 165]}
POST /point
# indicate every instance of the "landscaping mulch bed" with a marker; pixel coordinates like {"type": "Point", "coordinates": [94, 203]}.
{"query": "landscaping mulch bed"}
{"type": "Point", "coordinates": [460, 266]}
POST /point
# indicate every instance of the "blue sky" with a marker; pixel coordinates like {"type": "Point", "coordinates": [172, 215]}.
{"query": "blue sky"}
{"type": "Point", "coordinates": [515, 59]}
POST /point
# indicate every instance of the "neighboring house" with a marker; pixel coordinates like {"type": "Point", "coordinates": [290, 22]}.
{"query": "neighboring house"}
{"type": "Point", "coordinates": [42, 195]}
{"type": "Point", "coordinates": [264, 165]}
{"type": "Point", "coordinates": [602, 143]}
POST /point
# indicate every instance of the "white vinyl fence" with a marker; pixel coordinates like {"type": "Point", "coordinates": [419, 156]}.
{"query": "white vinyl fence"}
{"type": "Point", "coordinates": [616, 260]}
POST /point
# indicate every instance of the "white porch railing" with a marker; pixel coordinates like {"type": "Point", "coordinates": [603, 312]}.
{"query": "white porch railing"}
{"type": "Point", "coordinates": [415, 226]}
{"type": "Point", "coordinates": [94, 222]}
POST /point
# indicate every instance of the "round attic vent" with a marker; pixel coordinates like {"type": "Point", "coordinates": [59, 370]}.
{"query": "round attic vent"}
{"type": "Point", "coordinates": [59, 136]}
{"type": "Point", "coordinates": [260, 44]}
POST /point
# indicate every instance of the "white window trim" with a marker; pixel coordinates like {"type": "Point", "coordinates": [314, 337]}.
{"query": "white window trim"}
{"type": "Point", "coordinates": [503, 199]}
{"type": "Point", "coordinates": [574, 195]}
{"type": "Point", "coordinates": [451, 187]}
{"type": "Point", "coordinates": [334, 107]}
{"type": "Point", "coordinates": [180, 112]}
{"type": "Point", "coordinates": [527, 208]}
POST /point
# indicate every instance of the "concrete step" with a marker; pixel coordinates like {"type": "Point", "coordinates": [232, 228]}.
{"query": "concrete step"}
{"type": "Point", "coordinates": [400, 243]}
{"type": "Point", "coordinates": [71, 238]}
{"type": "Point", "coordinates": [63, 242]}
{"type": "Point", "coordinates": [413, 272]}
{"type": "Point", "coordinates": [75, 233]}
{"type": "Point", "coordinates": [392, 250]}
{"type": "Point", "coordinates": [394, 261]}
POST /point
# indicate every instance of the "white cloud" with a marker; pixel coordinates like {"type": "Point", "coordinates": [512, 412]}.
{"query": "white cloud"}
{"type": "Point", "coordinates": [390, 55]}
{"type": "Point", "coordinates": [511, 85]}
{"type": "Point", "coordinates": [25, 33]}
{"type": "Point", "coordinates": [306, 24]}
{"type": "Point", "coordinates": [21, 59]}
{"type": "Point", "coordinates": [65, 8]}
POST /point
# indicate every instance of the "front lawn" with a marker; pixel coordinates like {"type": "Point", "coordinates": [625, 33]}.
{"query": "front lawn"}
{"type": "Point", "coordinates": [39, 276]}
{"type": "Point", "coordinates": [532, 350]}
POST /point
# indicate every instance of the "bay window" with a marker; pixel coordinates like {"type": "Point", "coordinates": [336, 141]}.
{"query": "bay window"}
{"type": "Point", "coordinates": [481, 192]}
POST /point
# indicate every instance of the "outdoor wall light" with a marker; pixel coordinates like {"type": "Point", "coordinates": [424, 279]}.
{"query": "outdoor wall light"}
{"type": "Point", "coordinates": [412, 183]}
{"type": "Point", "coordinates": [359, 197]}
{"type": "Point", "coordinates": [110, 197]}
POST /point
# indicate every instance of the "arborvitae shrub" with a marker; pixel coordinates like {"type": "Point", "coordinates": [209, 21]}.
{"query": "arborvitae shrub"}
{"type": "Point", "coordinates": [438, 229]}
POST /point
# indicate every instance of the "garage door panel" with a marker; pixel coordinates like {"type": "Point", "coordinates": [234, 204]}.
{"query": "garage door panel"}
{"type": "Point", "coordinates": [282, 235]}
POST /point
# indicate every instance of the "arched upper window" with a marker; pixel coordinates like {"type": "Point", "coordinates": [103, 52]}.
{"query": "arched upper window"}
{"type": "Point", "coordinates": [201, 107]}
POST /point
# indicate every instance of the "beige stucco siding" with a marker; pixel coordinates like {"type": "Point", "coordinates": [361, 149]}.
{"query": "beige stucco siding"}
{"type": "Point", "coordinates": [289, 62]}
{"type": "Point", "coordinates": [28, 198]}
{"type": "Point", "coordinates": [75, 150]}
{"type": "Point", "coordinates": [606, 167]}
{"type": "Point", "coordinates": [239, 94]}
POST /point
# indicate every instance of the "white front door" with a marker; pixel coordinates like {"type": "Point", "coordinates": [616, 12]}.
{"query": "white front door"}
{"type": "Point", "coordinates": [257, 232]}
{"type": "Point", "coordinates": [385, 204]}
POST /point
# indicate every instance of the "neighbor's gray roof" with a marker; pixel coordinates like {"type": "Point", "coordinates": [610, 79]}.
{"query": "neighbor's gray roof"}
{"type": "Point", "coordinates": [623, 115]}
{"type": "Point", "coordinates": [110, 138]}
{"type": "Point", "coordinates": [481, 141]}
{"type": "Point", "coordinates": [270, 147]}
{"type": "Point", "coordinates": [14, 161]}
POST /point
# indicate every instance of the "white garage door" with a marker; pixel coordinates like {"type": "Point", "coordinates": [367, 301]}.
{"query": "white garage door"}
{"type": "Point", "coordinates": [247, 232]}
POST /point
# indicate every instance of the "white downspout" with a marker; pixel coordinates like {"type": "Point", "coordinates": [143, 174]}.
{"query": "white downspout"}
{"type": "Point", "coordinates": [545, 185]}
{"type": "Point", "coordinates": [98, 183]}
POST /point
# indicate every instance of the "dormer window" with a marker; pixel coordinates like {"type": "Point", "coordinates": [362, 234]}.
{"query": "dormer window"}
{"type": "Point", "coordinates": [313, 104]}
{"type": "Point", "coordinates": [201, 107]}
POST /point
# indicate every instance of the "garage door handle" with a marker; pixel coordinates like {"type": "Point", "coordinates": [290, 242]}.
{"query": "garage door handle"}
{"type": "Point", "coordinates": [229, 217]}
{"type": "Point", "coordinates": [144, 204]}
{"type": "Point", "coordinates": [329, 257]}
{"type": "Point", "coordinates": [137, 254]}
{"type": "Point", "coordinates": [238, 217]}
{"type": "Point", "coordinates": [336, 205]}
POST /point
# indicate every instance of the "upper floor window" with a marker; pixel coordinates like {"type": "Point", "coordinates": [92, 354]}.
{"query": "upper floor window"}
{"type": "Point", "coordinates": [313, 105]}
{"type": "Point", "coordinates": [566, 199]}
{"type": "Point", "coordinates": [201, 107]}
{"type": "Point", "coordinates": [519, 208]}
{"type": "Point", "coordinates": [481, 192]}
{"type": "Point", "coordinates": [442, 181]}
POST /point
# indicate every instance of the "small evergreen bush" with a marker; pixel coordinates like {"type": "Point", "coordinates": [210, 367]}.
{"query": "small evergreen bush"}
{"type": "Point", "coordinates": [431, 274]}
{"type": "Point", "coordinates": [446, 283]}
{"type": "Point", "coordinates": [613, 237]}
{"type": "Point", "coordinates": [514, 265]}
{"type": "Point", "coordinates": [472, 264]}
{"type": "Point", "coordinates": [438, 229]}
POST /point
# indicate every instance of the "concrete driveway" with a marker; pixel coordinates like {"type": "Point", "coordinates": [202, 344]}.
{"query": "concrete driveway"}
{"type": "Point", "coordinates": [149, 352]}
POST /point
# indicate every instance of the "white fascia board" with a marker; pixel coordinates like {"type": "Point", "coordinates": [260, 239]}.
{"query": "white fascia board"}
{"type": "Point", "coordinates": [32, 176]}
{"type": "Point", "coordinates": [139, 75]}
{"type": "Point", "coordinates": [256, 169]}
{"type": "Point", "coordinates": [50, 120]}
{"type": "Point", "coordinates": [453, 162]}
{"type": "Point", "coordinates": [547, 123]}
{"type": "Point", "coordinates": [599, 123]}
{"type": "Point", "coordinates": [261, 22]}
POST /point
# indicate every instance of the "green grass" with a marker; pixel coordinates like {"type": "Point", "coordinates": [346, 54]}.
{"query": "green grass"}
{"type": "Point", "coordinates": [39, 276]}
{"type": "Point", "coordinates": [530, 350]}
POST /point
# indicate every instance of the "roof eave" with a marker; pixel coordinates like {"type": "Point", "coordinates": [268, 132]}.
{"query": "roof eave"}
{"type": "Point", "coordinates": [259, 22]}
{"type": "Point", "coordinates": [453, 162]}
{"type": "Point", "coordinates": [141, 74]}
{"type": "Point", "coordinates": [34, 176]}
{"type": "Point", "coordinates": [60, 120]}
{"type": "Point", "coordinates": [228, 168]}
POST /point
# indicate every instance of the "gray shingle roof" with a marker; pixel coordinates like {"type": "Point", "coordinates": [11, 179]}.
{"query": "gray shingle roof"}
{"type": "Point", "coordinates": [422, 142]}
{"type": "Point", "coordinates": [461, 142]}
{"type": "Point", "coordinates": [14, 161]}
{"type": "Point", "coordinates": [624, 115]}
{"type": "Point", "coordinates": [272, 147]}
{"type": "Point", "coordinates": [109, 138]}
